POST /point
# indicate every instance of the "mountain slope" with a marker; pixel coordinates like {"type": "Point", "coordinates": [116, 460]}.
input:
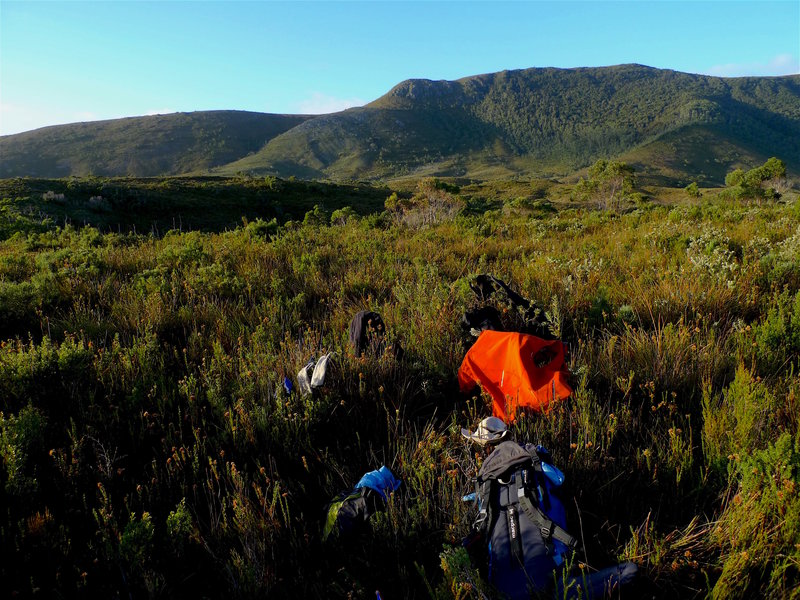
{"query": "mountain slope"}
{"type": "Point", "coordinates": [672, 126]}
{"type": "Point", "coordinates": [542, 122]}
{"type": "Point", "coordinates": [141, 146]}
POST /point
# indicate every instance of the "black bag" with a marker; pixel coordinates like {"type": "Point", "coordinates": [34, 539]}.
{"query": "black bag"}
{"type": "Point", "coordinates": [485, 288]}
{"type": "Point", "coordinates": [349, 511]}
{"type": "Point", "coordinates": [481, 319]}
{"type": "Point", "coordinates": [368, 335]}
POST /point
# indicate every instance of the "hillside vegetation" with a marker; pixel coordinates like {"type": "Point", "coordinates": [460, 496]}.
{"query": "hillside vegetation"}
{"type": "Point", "coordinates": [148, 446]}
{"type": "Point", "coordinates": [140, 146]}
{"type": "Point", "coordinates": [183, 203]}
{"type": "Point", "coordinates": [545, 122]}
{"type": "Point", "coordinates": [673, 127]}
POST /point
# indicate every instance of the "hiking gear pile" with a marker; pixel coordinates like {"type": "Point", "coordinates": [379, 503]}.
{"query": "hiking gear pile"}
{"type": "Point", "coordinates": [367, 337]}
{"type": "Point", "coordinates": [521, 520]}
{"type": "Point", "coordinates": [522, 369]}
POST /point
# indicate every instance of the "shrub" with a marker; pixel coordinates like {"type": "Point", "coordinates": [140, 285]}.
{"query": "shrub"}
{"type": "Point", "coordinates": [738, 422]}
{"type": "Point", "coordinates": [315, 216]}
{"type": "Point", "coordinates": [760, 526]}
{"type": "Point", "coordinates": [179, 527]}
{"type": "Point", "coordinates": [342, 215]}
{"type": "Point", "coordinates": [693, 191]}
{"type": "Point", "coordinates": [22, 437]}
{"type": "Point", "coordinates": [608, 183]}
{"type": "Point", "coordinates": [766, 181]}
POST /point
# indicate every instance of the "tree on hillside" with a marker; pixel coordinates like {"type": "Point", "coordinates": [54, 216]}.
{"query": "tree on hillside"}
{"type": "Point", "coordinates": [608, 182]}
{"type": "Point", "coordinates": [433, 202]}
{"type": "Point", "coordinates": [316, 216]}
{"type": "Point", "coordinates": [343, 215]}
{"type": "Point", "coordinates": [693, 190]}
{"type": "Point", "coordinates": [765, 182]}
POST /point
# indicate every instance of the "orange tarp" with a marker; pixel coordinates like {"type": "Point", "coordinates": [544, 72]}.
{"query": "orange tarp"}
{"type": "Point", "coordinates": [517, 370]}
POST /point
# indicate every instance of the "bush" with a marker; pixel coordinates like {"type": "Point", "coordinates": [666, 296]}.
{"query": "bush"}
{"type": "Point", "coordinates": [737, 423]}
{"type": "Point", "coordinates": [262, 229]}
{"type": "Point", "coordinates": [760, 526]}
{"type": "Point", "coordinates": [764, 182]}
{"type": "Point", "coordinates": [693, 191]}
{"type": "Point", "coordinates": [342, 215]}
{"type": "Point", "coordinates": [22, 438]}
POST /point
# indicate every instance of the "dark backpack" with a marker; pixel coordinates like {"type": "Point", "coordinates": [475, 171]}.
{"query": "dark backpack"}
{"type": "Point", "coordinates": [480, 319]}
{"type": "Point", "coordinates": [486, 288]}
{"type": "Point", "coordinates": [347, 514]}
{"type": "Point", "coordinates": [368, 335]}
{"type": "Point", "coordinates": [349, 511]}
{"type": "Point", "coordinates": [522, 520]}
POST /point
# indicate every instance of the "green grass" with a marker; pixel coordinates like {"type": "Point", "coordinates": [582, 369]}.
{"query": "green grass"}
{"type": "Point", "coordinates": [147, 447]}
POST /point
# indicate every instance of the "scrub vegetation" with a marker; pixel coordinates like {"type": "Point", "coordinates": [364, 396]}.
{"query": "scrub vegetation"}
{"type": "Point", "coordinates": [148, 446]}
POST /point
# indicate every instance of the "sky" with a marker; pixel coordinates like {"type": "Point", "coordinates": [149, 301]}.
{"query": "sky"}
{"type": "Point", "coordinates": [64, 62]}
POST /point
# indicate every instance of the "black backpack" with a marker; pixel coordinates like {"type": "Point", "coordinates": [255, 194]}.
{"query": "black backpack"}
{"type": "Point", "coordinates": [368, 335]}
{"type": "Point", "coordinates": [522, 520]}
{"type": "Point", "coordinates": [486, 287]}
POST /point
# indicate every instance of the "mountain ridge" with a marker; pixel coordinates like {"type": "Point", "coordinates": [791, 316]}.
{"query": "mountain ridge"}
{"type": "Point", "coordinates": [155, 145]}
{"type": "Point", "coordinates": [540, 122]}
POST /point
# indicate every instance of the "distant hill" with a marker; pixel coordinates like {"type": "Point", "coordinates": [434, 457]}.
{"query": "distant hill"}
{"type": "Point", "coordinates": [673, 127]}
{"type": "Point", "coordinates": [546, 122]}
{"type": "Point", "coordinates": [141, 146]}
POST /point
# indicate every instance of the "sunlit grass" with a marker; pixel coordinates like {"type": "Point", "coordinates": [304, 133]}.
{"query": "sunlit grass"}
{"type": "Point", "coordinates": [149, 446]}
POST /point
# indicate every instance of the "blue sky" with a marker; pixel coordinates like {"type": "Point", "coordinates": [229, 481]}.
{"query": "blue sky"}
{"type": "Point", "coordinates": [64, 62]}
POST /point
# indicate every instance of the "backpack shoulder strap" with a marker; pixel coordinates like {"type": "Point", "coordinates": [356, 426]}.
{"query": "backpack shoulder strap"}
{"type": "Point", "coordinates": [550, 529]}
{"type": "Point", "coordinates": [483, 520]}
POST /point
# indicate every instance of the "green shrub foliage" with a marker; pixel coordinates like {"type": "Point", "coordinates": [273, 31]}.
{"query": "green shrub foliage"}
{"type": "Point", "coordinates": [149, 447]}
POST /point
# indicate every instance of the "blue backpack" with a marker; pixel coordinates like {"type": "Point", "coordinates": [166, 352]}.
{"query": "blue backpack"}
{"type": "Point", "coordinates": [522, 520]}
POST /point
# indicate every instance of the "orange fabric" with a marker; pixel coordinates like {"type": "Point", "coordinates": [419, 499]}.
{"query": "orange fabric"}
{"type": "Point", "coordinates": [504, 365]}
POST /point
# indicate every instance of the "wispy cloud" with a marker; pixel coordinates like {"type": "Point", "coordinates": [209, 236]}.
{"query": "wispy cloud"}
{"type": "Point", "coordinates": [783, 64]}
{"type": "Point", "coordinates": [17, 118]}
{"type": "Point", "coordinates": [319, 104]}
{"type": "Point", "coordinates": [84, 115]}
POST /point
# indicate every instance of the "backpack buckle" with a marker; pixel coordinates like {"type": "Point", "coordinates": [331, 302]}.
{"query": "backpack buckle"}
{"type": "Point", "coordinates": [573, 543]}
{"type": "Point", "coordinates": [547, 529]}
